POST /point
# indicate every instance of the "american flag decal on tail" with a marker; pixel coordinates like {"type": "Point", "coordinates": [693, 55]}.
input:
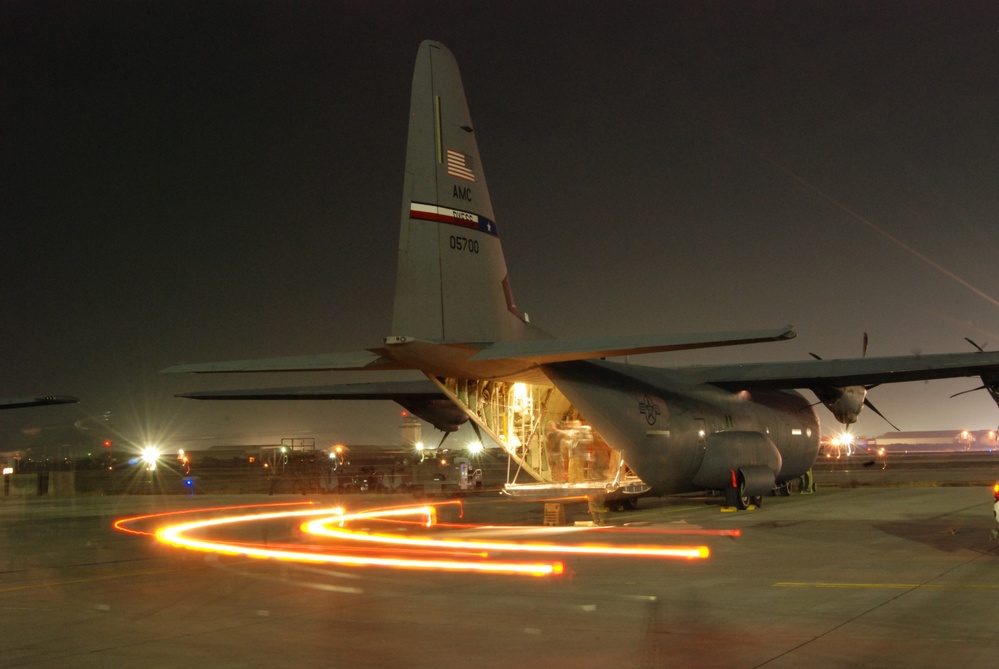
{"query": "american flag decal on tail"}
{"type": "Point", "coordinates": [460, 165]}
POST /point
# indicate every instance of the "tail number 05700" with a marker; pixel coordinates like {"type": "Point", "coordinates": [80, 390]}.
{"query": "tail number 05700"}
{"type": "Point", "coordinates": [464, 244]}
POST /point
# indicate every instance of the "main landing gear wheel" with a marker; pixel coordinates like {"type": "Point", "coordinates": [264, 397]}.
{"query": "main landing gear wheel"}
{"type": "Point", "coordinates": [736, 496]}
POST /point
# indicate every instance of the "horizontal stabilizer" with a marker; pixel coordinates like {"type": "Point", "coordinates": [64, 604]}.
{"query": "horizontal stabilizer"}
{"type": "Point", "coordinates": [353, 360]}
{"type": "Point", "coordinates": [20, 402]}
{"type": "Point", "coordinates": [548, 351]}
{"type": "Point", "coordinates": [387, 390]}
{"type": "Point", "coordinates": [839, 373]}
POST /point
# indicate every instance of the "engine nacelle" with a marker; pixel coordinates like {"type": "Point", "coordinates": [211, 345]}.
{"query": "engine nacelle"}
{"type": "Point", "coordinates": [751, 454]}
{"type": "Point", "coordinates": [442, 414]}
{"type": "Point", "coordinates": [844, 403]}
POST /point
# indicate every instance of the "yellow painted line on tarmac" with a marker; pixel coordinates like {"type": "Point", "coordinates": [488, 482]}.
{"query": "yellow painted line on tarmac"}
{"type": "Point", "coordinates": [887, 586]}
{"type": "Point", "coordinates": [53, 584]}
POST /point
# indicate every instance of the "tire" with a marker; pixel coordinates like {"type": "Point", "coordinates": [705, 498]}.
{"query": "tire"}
{"type": "Point", "coordinates": [734, 497]}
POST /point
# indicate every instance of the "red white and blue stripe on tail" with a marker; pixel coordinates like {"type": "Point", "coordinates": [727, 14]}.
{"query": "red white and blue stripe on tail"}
{"type": "Point", "coordinates": [452, 216]}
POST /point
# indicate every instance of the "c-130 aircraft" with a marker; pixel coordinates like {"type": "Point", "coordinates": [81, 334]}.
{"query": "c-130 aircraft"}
{"type": "Point", "coordinates": [574, 422]}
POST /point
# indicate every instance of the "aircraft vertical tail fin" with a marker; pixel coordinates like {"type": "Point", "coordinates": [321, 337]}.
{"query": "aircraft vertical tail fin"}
{"type": "Point", "coordinates": [451, 284]}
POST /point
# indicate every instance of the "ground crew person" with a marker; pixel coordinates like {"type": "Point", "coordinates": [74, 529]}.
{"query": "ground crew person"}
{"type": "Point", "coordinates": [598, 508]}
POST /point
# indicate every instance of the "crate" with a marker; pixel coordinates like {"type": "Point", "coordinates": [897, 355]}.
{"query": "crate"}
{"type": "Point", "coordinates": [554, 513]}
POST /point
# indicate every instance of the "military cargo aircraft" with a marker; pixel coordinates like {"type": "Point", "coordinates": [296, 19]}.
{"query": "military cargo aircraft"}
{"type": "Point", "coordinates": [574, 422]}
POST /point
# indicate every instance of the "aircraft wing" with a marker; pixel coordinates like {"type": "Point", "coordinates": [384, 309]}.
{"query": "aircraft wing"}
{"type": "Point", "coordinates": [844, 372]}
{"type": "Point", "coordinates": [353, 360]}
{"type": "Point", "coordinates": [19, 402]}
{"type": "Point", "coordinates": [547, 351]}
{"type": "Point", "coordinates": [421, 398]}
{"type": "Point", "coordinates": [531, 351]}
{"type": "Point", "coordinates": [387, 390]}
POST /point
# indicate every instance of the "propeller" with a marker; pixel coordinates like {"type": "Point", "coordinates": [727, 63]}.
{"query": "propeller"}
{"type": "Point", "coordinates": [475, 428]}
{"type": "Point", "coordinates": [867, 403]}
{"type": "Point", "coordinates": [842, 401]}
{"type": "Point", "coordinates": [989, 383]}
{"type": "Point", "coordinates": [981, 349]}
{"type": "Point", "coordinates": [477, 431]}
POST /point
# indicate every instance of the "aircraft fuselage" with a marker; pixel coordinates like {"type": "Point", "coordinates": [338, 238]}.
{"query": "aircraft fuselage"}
{"type": "Point", "coordinates": [680, 439]}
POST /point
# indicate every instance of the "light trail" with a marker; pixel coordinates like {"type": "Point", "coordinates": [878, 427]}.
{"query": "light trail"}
{"type": "Point", "coordinates": [122, 523]}
{"type": "Point", "coordinates": [366, 548]}
{"type": "Point", "coordinates": [320, 527]}
{"type": "Point", "coordinates": [176, 535]}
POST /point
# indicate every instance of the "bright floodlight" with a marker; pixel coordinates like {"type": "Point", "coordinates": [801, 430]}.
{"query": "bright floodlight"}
{"type": "Point", "coordinates": [150, 454]}
{"type": "Point", "coordinates": [475, 447]}
{"type": "Point", "coordinates": [419, 445]}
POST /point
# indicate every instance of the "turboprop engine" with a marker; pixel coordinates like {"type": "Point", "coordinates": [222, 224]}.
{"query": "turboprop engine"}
{"type": "Point", "coordinates": [442, 414]}
{"type": "Point", "coordinates": [844, 403]}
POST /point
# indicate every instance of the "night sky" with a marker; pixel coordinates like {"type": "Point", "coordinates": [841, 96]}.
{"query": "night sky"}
{"type": "Point", "coordinates": [198, 181]}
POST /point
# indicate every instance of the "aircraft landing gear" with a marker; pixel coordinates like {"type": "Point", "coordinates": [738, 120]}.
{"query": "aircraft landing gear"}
{"type": "Point", "coordinates": [806, 485]}
{"type": "Point", "coordinates": [735, 496]}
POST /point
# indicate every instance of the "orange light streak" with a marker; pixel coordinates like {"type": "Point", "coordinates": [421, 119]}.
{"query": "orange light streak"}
{"type": "Point", "coordinates": [694, 531]}
{"type": "Point", "coordinates": [121, 522]}
{"type": "Point", "coordinates": [175, 535]}
{"type": "Point", "coordinates": [321, 528]}
{"type": "Point", "coordinates": [320, 522]}
{"type": "Point", "coordinates": [373, 550]}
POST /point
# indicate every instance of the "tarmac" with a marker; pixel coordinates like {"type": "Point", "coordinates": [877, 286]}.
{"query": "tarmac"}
{"type": "Point", "coordinates": [861, 576]}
